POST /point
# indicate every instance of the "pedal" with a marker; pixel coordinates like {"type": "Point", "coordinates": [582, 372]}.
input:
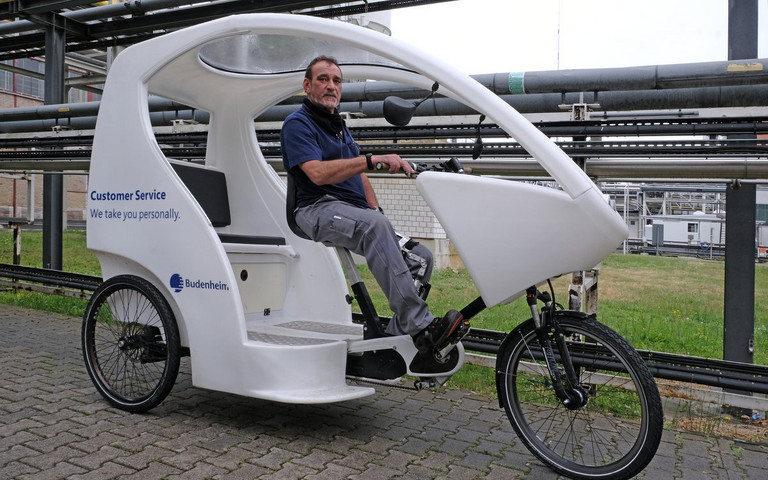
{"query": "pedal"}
{"type": "Point", "coordinates": [453, 340]}
{"type": "Point", "coordinates": [460, 332]}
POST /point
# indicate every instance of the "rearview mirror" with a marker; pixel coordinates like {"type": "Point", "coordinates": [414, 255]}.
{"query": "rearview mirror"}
{"type": "Point", "coordinates": [399, 112]}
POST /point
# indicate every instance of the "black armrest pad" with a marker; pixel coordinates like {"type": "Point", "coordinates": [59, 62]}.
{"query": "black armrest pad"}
{"type": "Point", "coordinates": [251, 239]}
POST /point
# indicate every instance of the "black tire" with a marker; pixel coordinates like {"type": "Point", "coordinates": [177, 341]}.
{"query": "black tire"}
{"type": "Point", "coordinates": [615, 435]}
{"type": "Point", "coordinates": [131, 343]}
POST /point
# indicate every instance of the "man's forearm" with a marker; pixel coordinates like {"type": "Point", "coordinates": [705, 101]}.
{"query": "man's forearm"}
{"type": "Point", "coordinates": [334, 171]}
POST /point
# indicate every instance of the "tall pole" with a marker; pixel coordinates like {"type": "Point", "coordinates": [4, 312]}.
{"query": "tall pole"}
{"type": "Point", "coordinates": [53, 183]}
{"type": "Point", "coordinates": [742, 29]}
{"type": "Point", "coordinates": [739, 308]}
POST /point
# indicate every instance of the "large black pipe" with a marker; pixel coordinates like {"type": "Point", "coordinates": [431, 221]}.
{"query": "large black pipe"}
{"type": "Point", "coordinates": [644, 78]}
{"type": "Point", "coordinates": [652, 77]}
{"type": "Point", "coordinates": [684, 98]}
{"type": "Point", "coordinates": [82, 116]}
{"type": "Point", "coordinates": [691, 85]}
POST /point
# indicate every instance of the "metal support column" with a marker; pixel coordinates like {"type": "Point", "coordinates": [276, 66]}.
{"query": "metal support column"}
{"type": "Point", "coordinates": [53, 183]}
{"type": "Point", "coordinates": [742, 29]}
{"type": "Point", "coordinates": [739, 309]}
{"type": "Point", "coordinates": [582, 291]}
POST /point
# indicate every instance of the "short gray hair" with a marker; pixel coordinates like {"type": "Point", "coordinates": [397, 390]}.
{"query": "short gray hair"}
{"type": "Point", "coordinates": [321, 58]}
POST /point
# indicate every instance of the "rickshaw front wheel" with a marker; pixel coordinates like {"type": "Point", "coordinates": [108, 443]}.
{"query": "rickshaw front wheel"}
{"type": "Point", "coordinates": [130, 343]}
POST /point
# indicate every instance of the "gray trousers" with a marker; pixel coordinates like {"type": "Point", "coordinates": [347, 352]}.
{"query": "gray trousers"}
{"type": "Point", "coordinates": [368, 233]}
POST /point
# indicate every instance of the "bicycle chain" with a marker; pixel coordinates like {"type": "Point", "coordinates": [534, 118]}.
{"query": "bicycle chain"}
{"type": "Point", "coordinates": [418, 385]}
{"type": "Point", "coordinates": [384, 384]}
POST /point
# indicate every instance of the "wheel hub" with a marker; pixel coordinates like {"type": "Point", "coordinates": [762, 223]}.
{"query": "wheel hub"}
{"type": "Point", "coordinates": [577, 398]}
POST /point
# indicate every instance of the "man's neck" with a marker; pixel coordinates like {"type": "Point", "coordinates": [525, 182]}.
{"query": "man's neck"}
{"type": "Point", "coordinates": [331, 122]}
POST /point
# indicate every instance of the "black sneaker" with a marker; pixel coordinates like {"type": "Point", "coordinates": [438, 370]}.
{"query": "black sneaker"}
{"type": "Point", "coordinates": [437, 332]}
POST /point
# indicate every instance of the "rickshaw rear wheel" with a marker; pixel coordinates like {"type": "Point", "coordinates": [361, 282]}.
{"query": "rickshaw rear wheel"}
{"type": "Point", "coordinates": [130, 343]}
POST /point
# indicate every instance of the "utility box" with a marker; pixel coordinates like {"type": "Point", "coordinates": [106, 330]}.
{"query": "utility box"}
{"type": "Point", "coordinates": [657, 234]}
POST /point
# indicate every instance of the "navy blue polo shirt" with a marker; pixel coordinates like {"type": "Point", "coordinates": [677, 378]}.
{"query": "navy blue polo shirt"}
{"type": "Point", "coordinates": [302, 140]}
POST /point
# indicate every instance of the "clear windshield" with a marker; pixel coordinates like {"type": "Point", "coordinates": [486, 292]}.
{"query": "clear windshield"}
{"type": "Point", "coordinates": [270, 54]}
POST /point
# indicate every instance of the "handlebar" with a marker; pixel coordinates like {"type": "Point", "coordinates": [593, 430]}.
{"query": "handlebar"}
{"type": "Point", "coordinates": [452, 165]}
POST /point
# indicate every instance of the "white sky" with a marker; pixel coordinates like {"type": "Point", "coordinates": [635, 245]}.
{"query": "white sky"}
{"type": "Point", "coordinates": [492, 36]}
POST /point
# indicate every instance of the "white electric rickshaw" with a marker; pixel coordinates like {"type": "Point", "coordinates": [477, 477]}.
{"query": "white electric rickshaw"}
{"type": "Point", "coordinates": [202, 259]}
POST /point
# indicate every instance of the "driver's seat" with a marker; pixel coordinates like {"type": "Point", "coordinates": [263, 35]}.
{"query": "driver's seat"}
{"type": "Point", "coordinates": [371, 318]}
{"type": "Point", "coordinates": [290, 207]}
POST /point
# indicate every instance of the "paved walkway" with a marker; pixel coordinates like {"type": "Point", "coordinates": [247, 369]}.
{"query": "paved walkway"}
{"type": "Point", "coordinates": [53, 424]}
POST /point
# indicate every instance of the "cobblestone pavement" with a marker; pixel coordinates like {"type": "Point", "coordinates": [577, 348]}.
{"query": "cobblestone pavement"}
{"type": "Point", "coordinates": [53, 424]}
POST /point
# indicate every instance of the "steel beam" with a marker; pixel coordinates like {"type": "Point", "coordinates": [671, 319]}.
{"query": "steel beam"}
{"type": "Point", "coordinates": [742, 29]}
{"type": "Point", "coordinates": [739, 294]}
{"type": "Point", "coordinates": [739, 310]}
{"type": "Point", "coordinates": [53, 185]}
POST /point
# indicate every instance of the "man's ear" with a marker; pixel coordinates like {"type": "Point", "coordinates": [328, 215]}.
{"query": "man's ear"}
{"type": "Point", "coordinates": [306, 85]}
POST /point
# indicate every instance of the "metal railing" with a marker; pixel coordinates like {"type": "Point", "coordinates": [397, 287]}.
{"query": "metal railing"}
{"type": "Point", "coordinates": [683, 368]}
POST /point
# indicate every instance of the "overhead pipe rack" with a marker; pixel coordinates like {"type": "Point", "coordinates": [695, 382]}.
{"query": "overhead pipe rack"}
{"type": "Point", "coordinates": [130, 22]}
{"type": "Point", "coordinates": [716, 156]}
{"type": "Point", "coordinates": [692, 85]}
{"type": "Point", "coordinates": [45, 119]}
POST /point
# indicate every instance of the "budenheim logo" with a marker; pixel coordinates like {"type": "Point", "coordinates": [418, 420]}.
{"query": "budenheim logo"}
{"type": "Point", "coordinates": [178, 283]}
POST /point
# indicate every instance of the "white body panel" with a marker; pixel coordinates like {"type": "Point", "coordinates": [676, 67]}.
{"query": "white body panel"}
{"type": "Point", "coordinates": [242, 336]}
{"type": "Point", "coordinates": [512, 235]}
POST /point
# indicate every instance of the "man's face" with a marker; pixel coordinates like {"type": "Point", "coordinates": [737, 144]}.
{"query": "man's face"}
{"type": "Point", "coordinates": [324, 90]}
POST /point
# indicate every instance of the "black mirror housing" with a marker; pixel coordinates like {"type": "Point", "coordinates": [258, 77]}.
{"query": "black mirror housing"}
{"type": "Point", "coordinates": [398, 111]}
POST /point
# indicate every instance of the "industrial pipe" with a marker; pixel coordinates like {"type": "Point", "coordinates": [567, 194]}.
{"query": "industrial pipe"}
{"type": "Point", "coordinates": [709, 97]}
{"type": "Point", "coordinates": [690, 83]}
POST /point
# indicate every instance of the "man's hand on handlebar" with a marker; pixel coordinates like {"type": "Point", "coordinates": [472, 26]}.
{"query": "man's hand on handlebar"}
{"type": "Point", "coordinates": [412, 169]}
{"type": "Point", "coordinates": [394, 163]}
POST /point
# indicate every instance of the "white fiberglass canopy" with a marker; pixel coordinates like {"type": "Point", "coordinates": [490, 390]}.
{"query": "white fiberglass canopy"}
{"type": "Point", "coordinates": [237, 67]}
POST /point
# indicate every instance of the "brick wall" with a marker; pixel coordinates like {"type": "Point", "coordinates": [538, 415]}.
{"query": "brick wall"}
{"type": "Point", "coordinates": [8, 100]}
{"type": "Point", "coordinates": [411, 216]}
{"type": "Point", "coordinates": [15, 204]}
